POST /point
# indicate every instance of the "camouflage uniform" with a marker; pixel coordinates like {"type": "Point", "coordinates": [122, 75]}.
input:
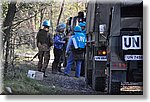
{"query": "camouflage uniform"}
{"type": "Point", "coordinates": [44, 42]}
{"type": "Point", "coordinates": [43, 53]}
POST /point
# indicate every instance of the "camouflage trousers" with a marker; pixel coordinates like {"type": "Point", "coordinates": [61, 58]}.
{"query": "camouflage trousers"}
{"type": "Point", "coordinates": [43, 55]}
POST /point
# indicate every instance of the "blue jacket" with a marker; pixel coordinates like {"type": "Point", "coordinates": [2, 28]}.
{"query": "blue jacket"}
{"type": "Point", "coordinates": [78, 41]}
{"type": "Point", "coordinates": [58, 44]}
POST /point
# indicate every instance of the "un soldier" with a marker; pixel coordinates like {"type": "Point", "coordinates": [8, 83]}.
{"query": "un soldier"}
{"type": "Point", "coordinates": [44, 42]}
{"type": "Point", "coordinates": [75, 51]}
{"type": "Point", "coordinates": [58, 48]}
{"type": "Point", "coordinates": [82, 25]}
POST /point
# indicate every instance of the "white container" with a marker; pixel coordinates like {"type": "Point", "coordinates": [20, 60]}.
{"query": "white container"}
{"type": "Point", "coordinates": [35, 75]}
{"type": "Point", "coordinates": [39, 75]}
{"type": "Point", "coordinates": [31, 74]}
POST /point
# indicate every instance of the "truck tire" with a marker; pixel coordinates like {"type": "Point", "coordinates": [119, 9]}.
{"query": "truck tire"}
{"type": "Point", "coordinates": [115, 88]}
{"type": "Point", "coordinates": [100, 84]}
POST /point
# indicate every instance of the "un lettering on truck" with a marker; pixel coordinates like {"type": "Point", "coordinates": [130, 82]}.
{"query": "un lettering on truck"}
{"type": "Point", "coordinates": [131, 42]}
{"type": "Point", "coordinates": [133, 57]}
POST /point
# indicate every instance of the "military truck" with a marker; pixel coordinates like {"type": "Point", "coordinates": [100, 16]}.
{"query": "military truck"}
{"type": "Point", "coordinates": [114, 51]}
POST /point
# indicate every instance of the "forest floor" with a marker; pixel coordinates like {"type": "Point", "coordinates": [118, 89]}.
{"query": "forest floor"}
{"type": "Point", "coordinates": [55, 84]}
{"type": "Point", "coordinates": [17, 81]}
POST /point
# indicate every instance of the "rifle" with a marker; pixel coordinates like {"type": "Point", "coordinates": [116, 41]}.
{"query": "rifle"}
{"type": "Point", "coordinates": [34, 56]}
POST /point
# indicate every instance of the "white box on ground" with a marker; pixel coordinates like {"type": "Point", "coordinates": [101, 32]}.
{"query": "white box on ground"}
{"type": "Point", "coordinates": [35, 75]}
{"type": "Point", "coordinates": [39, 75]}
{"type": "Point", "coordinates": [31, 74]}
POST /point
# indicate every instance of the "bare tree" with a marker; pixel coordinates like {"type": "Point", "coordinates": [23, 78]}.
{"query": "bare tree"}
{"type": "Point", "coordinates": [41, 17]}
{"type": "Point", "coordinates": [7, 23]}
{"type": "Point", "coordinates": [60, 12]}
{"type": "Point", "coordinates": [51, 13]}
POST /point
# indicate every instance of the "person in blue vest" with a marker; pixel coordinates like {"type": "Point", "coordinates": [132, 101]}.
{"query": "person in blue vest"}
{"type": "Point", "coordinates": [75, 51]}
{"type": "Point", "coordinates": [83, 25]}
{"type": "Point", "coordinates": [58, 47]}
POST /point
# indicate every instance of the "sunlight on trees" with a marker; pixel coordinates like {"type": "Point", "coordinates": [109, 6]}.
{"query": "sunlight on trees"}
{"type": "Point", "coordinates": [28, 18]}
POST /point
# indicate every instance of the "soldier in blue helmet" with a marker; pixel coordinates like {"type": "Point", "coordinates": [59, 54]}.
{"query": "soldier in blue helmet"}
{"type": "Point", "coordinates": [58, 47]}
{"type": "Point", "coordinates": [75, 51]}
{"type": "Point", "coordinates": [83, 25]}
{"type": "Point", "coordinates": [44, 42]}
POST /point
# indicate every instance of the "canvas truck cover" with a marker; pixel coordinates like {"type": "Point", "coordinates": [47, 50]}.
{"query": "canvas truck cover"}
{"type": "Point", "coordinates": [90, 16]}
{"type": "Point", "coordinates": [115, 4]}
{"type": "Point", "coordinates": [98, 14]}
{"type": "Point", "coordinates": [115, 24]}
{"type": "Point", "coordinates": [125, 15]}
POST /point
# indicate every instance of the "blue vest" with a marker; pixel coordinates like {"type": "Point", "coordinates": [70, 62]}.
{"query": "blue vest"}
{"type": "Point", "coordinates": [79, 40]}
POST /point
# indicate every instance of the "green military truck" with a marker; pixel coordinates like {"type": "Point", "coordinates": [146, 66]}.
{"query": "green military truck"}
{"type": "Point", "coordinates": [114, 51]}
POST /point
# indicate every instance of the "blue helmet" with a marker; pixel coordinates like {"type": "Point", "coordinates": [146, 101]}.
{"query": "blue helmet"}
{"type": "Point", "coordinates": [77, 29]}
{"type": "Point", "coordinates": [61, 26]}
{"type": "Point", "coordinates": [82, 24]}
{"type": "Point", "coordinates": [46, 23]}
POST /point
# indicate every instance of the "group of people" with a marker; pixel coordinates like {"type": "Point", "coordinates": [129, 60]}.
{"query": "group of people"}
{"type": "Point", "coordinates": [72, 46]}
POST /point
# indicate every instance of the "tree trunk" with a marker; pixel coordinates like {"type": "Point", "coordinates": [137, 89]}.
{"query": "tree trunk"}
{"type": "Point", "coordinates": [41, 18]}
{"type": "Point", "coordinates": [9, 18]}
{"type": "Point", "coordinates": [60, 12]}
{"type": "Point", "coordinates": [7, 23]}
{"type": "Point", "coordinates": [51, 16]}
{"type": "Point", "coordinates": [35, 19]}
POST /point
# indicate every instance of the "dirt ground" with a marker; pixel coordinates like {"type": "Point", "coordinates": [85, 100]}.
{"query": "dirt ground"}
{"type": "Point", "coordinates": [67, 84]}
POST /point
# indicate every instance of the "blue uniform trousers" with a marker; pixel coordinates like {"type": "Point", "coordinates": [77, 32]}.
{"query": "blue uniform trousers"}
{"type": "Point", "coordinates": [70, 62]}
